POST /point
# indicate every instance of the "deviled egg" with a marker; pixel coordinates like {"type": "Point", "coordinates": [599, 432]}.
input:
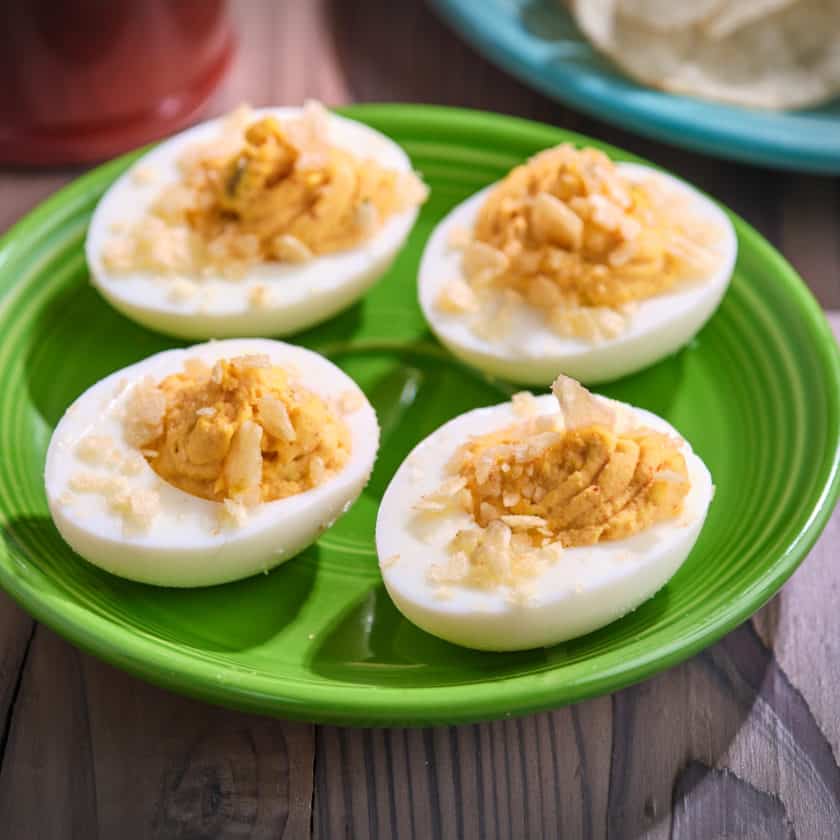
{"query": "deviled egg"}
{"type": "Point", "coordinates": [262, 223]}
{"type": "Point", "coordinates": [210, 463]}
{"type": "Point", "coordinates": [541, 519]}
{"type": "Point", "coordinates": [574, 264]}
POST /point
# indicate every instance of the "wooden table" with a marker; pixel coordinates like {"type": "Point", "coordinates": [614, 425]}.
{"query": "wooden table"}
{"type": "Point", "coordinates": [739, 742]}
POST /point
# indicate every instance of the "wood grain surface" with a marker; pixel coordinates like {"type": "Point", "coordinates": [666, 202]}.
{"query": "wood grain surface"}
{"type": "Point", "coordinates": [739, 742]}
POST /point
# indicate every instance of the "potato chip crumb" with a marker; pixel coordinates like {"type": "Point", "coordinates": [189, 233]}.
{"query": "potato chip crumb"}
{"type": "Point", "coordinates": [143, 176]}
{"type": "Point", "coordinates": [95, 449]}
{"type": "Point", "coordinates": [259, 296]}
{"type": "Point", "coordinates": [144, 412]}
{"type": "Point", "coordinates": [288, 248]}
{"type": "Point", "coordinates": [252, 360]}
{"type": "Point", "coordinates": [579, 407]}
{"type": "Point", "coordinates": [181, 290]}
{"type": "Point", "coordinates": [350, 401]}
{"type": "Point", "coordinates": [138, 507]}
{"type": "Point", "coordinates": [233, 512]}
{"type": "Point", "coordinates": [197, 369]}
{"type": "Point", "coordinates": [366, 217]}
{"type": "Point", "coordinates": [117, 255]}
{"type": "Point", "coordinates": [552, 220]}
{"type": "Point", "coordinates": [243, 467]}
{"type": "Point", "coordinates": [524, 404]}
{"type": "Point", "coordinates": [274, 417]}
{"type": "Point", "coordinates": [523, 522]}
{"type": "Point", "coordinates": [457, 297]}
{"type": "Point", "coordinates": [132, 464]}
{"type": "Point", "coordinates": [390, 561]}
{"type": "Point", "coordinates": [520, 596]}
{"type": "Point", "coordinates": [458, 238]}
{"type": "Point", "coordinates": [482, 263]}
{"type": "Point", "coordinates": [89, 482]}
{"type": "Point", "coordinates": [317, 470]}
{"type": "Point", "coordinates": [444, 498]}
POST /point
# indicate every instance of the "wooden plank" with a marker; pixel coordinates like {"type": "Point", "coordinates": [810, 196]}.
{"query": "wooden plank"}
{"type": "Point", "coordinates": [810, 208]}
{"type": "Point", "coordinates": [21, 191]}
{"type": "Point", "coordinates": [94, 752]}
{"type": "Point", "coordinates": [48, 754]}
{"type": "Point", "coordinates": [285, 56]}
{"type": "Point", "coordinates": [722, 743]}
{"type": "Point", "coordinates": [16, 631]}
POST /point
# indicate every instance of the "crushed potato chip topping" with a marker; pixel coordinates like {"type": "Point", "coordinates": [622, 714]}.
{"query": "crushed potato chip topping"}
{"type": "Point", "coordinates": [263, 191]}
{"type": "Point", "coordinates": [550, 482]}
{"type": "Point", "coordinates": [241, 430]}
{"type": "Point", "coordinates": [143, 421]}
{"type": "Point", "coordinates": [350, 401]}
{"type": "Point", "coordinates": [579, 487]}
{"type": "Point", "coordinates": [137, 507]}
{"type": "Point", "coordinates": [493, 556]}
{"type": "Point", "coordinates": [569, 235]}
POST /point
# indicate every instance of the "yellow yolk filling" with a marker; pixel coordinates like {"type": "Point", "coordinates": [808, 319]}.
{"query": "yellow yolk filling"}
{"type": "Point", "coordinates": [572, 229]}
{"type": "Point", "coordinates": [265, 192]}
{"type": "Point", "coordinates": [569, 234]}
{"type": "Point", "coordinates": [330, 205]}
{"type": "Point", "coordinates": [242, 431]}
{"type": "Point", "coordinates": [587, 485]}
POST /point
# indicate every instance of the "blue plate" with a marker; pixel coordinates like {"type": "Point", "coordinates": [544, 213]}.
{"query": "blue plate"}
{"type": "Point", "coordinates": [537, 41]}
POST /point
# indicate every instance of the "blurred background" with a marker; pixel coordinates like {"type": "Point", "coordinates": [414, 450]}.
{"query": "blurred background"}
{"type": "Point", "coordinates": [87, 80]}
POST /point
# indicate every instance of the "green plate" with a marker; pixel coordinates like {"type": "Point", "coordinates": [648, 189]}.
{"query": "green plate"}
{"type": "Point", "coordinates": [318, 639]}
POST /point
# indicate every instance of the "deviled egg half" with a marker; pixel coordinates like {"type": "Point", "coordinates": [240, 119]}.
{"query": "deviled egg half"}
{"type": "Point", "coordinates": [211, 463]}
{"type": "Point", "coordinates": [540, 519]}
{"type": "Point", "coordinates": [261, 223]}
{"type": "Point", "coordinates": [574, 264]}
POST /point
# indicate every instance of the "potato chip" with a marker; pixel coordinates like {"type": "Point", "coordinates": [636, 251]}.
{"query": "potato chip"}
{"type": "Point", "coordinates": [667, 15]}
{"type": "Point", "coordinates": [735, 14]}
{"type": "Point", "coordinates": [776, 54]}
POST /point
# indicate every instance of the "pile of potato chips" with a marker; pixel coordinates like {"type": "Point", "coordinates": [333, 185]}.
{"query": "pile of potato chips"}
{"type": "Point", "coordinates": [757, 53]}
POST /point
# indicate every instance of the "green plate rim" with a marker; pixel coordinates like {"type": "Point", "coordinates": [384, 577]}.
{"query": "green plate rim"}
{"type": "Point", "coordinates": [366, 705]}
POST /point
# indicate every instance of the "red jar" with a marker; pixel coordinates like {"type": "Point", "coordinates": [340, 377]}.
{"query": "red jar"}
{"type": "Point", "coordinates": [82, 80]}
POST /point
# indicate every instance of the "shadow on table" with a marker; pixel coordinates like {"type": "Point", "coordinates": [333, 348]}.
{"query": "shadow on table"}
{"type": "Point", "coordinates": [693, 746]}
{"type": "Point", "coordinates": [688, 748]}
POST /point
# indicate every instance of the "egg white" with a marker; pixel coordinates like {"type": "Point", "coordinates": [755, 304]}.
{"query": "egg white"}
{"type": "Point", "coordinates": [531, 352]}
{"type": "Point", "coordinates": [298, 295]}
{"type": "Point", "coordinates": [584, 589]}
{"type": "Point", "coordinates": [185, 544]}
